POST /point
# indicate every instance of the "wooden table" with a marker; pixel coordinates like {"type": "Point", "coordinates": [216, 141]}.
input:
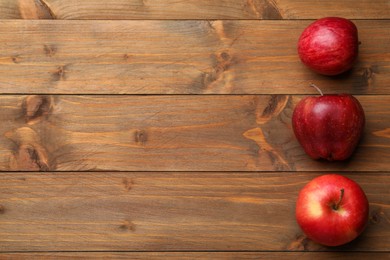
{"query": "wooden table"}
{"type": "Point", "coordinates": [162, 129]}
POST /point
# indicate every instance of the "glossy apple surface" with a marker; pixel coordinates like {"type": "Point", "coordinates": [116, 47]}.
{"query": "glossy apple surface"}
{"type": "Point", "coordinates": [329, 217]}
{"type": "Point", "coordinates": [329, 126]}
{"type": "Point", "coordinates": [329, 45]}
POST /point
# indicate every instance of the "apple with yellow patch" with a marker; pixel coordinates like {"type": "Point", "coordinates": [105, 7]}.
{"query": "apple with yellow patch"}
{"type": "Point", "coordinates": [332, 210]}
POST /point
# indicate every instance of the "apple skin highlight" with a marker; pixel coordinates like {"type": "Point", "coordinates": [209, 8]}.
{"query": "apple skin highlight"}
{"type": "Point", "coordinates": [321, 221]}
{"type": "Point", "coordinates": [329, 46]}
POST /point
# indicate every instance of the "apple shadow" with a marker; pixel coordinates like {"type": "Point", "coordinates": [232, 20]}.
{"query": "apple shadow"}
{"type": "Point", "coordinates": [340, 81]}
{"type": "Point", "coordinates": [354, 245]}
{"type": "Point", "coordinates": [356, 80]}
{"type": "Point", "coordinates": [345, 75]}
{"type": "Point", "coordinates": [336, 165]}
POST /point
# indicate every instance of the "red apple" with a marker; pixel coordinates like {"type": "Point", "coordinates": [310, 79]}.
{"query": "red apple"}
{"type": "Point", "coordinates": [329, 45]}
{"type": "Point", "coordinates": [329, 126]}
{"type": "Point", "coordinates": [332, 210]}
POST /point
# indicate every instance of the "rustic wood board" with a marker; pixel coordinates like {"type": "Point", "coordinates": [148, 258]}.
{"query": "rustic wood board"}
{"type": "Point", "coordinates": [192, 9]}
{"type": "Point", "coordinates": [172, 133]}
{"type": "Point", "coordinates": [178, 57]}
{"type": "Point", "coordinates": [170, 211]}
{"type": "Point", "coordinates": [197, 255]}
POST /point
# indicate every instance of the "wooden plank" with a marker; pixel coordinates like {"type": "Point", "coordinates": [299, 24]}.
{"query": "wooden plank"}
{"type": "Point", "coordinates": [172, 133]}
{"type": "Point", "coordinates": [192, 9]}
{"type": "Point", "coordinates": [170, 212]}
{"type": "Point", "coordinates": [197, 255]}
{"type": "Point", "coordinates": [178, 57]}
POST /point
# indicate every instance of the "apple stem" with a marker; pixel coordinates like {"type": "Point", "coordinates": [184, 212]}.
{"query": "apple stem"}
{"type": "Point", "coordinates": [317, 88]}
{"type": "Point", "coordinates": [336, 206]}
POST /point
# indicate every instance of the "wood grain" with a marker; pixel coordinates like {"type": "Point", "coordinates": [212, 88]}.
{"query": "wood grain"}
{"type": "Point", "coordinates": [170, 211]}
{"type": "Point", "coordinates": [192, 9]}
{"type": "Point", "coordinates": [196, 255]}
{"type": "Point", "coordinates": [172, 133]}
{"type": "Point", "coordinates": [178, 57]}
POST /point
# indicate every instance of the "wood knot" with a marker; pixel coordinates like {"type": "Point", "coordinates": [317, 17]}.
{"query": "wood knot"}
{"type": "Point", "coordinates": [140, 137]}
{"type": "Point", "coordinates": [264, 9]}
{"type": "Point", "coordinates": [368, 75]}
{"type": "Point", "coordinates": [370, 71]}
{"type": "Point", "coordinates": [225, 56]}
{"type": "Point", "coordinates": [16, 59]}
{"type": "Point", "coordinates": [271, 106]}
{"type": "Point", "coordinates": [60, 73]}
{"type": "Point", "coordinates": [127, 183]}
{"type": "Point", "coordinates": [276, 104]}
{"type": "Point", "coordinates": [126, 57]}
{"type": "Point", "coordinates": [2, 209]}
{"type": "Point", "coordinates": [29, 153]}
{"type": "Point", "coordinates": [28, 158]}
{"type": "Point", "coordinates": [223, 61]}
{"type": "Point", "coordinates": [376, 216]}
{"type": "Point", "coordinates": [36, 107]}
{"type": "Point", "coordinates": [299, 243]}
{"type": "Point", "coordinates": [35, 9]}
{"type": "Point", "coordinates": [127, 225]}
{"type": "Point", "coordinates": [50, 50]}
{"type": "Point", "coordinates": [302, 243]}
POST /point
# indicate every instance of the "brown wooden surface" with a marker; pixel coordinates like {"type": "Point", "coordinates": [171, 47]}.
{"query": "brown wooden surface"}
{"type": "Point", "coordinates": [172, 133]}
{"type": "Point", "coordinates": [170, 211]}
{"type": "Point", "coordinates": [192, 9]}
{"type": "Point", "coordinates": [197, 255]}
{"type": "Point", "coordinates": [178, 57]}
{"type": "Point", "coordinates": [176, 169]}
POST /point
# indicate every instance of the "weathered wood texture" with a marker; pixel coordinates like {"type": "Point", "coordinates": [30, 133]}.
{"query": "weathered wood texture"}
{"type": "Point", "coordinates": [197, 255]}
{"type": "Point", "coordinates": [192, 9]}
{"type": "Point", "coordinates": [178, 57]}
{"type": "Point", "coordinates": [170, 211]}
{"type": "Point", "coordinates": [172, 133]}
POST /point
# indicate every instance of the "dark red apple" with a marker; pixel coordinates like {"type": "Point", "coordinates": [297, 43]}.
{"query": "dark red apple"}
{"type": "Point", "coordinates": [329, 45]}
{"type": "Point", "coordinates": [332, 210]}
{"type": "Point", "coordinates": [329, 126]}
